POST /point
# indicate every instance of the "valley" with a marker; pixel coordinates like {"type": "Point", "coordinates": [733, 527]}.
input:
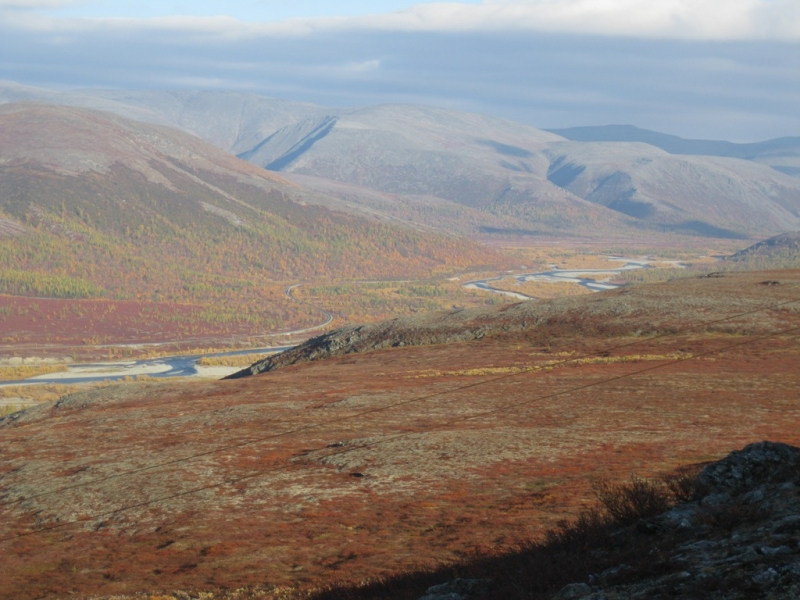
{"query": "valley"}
{"type": "Point", "coordinates": [356, 302]}
{"type": "Point", "coordinates": [269, 349]}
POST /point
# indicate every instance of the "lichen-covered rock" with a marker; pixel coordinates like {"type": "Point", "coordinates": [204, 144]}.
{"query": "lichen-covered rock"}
{"type": "Point", "coordinates": [743, 470]}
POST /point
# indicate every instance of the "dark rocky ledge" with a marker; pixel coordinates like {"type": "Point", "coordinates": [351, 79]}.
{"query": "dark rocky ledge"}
{"type": "Point", "coordinates": [740, 539]}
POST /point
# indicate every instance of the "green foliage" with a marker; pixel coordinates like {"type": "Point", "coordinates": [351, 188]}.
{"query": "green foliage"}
{"type": "Point", "coordinates": [27, 283]}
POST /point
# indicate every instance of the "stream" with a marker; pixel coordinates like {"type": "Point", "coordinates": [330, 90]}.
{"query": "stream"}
{"type": "Point", "coordinates": [598, 283]}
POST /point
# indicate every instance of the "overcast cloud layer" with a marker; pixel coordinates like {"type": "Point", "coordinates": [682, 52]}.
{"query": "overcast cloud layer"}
{"type": "Point", "coordinates": [698, 68]}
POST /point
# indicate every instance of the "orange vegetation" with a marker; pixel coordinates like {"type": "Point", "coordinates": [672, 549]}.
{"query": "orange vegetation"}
{"type": "Point", "coordinates": [352, 468]}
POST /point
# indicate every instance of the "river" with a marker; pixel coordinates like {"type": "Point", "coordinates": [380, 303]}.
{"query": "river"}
{"type": "Point", "coordinates": [597, 283]}
{"type": "Point", "coordinates": [160, 368]}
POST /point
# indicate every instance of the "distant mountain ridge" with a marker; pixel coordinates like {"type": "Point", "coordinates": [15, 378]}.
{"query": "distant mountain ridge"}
{"type": "Point", "coordinates": [769, 151]}
{"type": "Point", "coordinates": [526, 181]}
{"type": "Point", "coordinates": [552, 185]}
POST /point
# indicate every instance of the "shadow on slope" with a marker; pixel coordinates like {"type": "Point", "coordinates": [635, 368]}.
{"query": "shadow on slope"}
{"type": "Point", "coordinates": [644, 539]}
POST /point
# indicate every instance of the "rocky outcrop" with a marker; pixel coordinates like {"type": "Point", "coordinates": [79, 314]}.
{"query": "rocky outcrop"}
{"type": "Point", "coordinates": [738, 539]}
{"type": "Point", "coordinates": [443, 328]}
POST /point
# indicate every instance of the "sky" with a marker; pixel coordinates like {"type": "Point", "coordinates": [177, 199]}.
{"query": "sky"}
{"type": "Point", "coordinates": [720, 69]}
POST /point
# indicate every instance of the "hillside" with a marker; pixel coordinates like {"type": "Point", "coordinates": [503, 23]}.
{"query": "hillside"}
{"type": "Point", "coordinates": [233, 121]}
{"type": "Point", "coordinates": [782, 154]}
{"type": "Point", "coordinates": [781, 250]}
{"type": "Point", "coordinates": [530, 184]}
{"type": "Point", "coordinates": [725, 529]}
{"type": "Point", "coordinates": [405, 457]}
{"type": "Point", "coordinates": [613, 313]}
{"type": "Point", "coordinates": [98, 206]}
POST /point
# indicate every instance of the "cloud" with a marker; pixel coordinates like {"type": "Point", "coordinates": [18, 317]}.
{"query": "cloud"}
{"type": "Point", "coordinates": [553, 76]}
{"type": "Point", "coordinates": [670, 19]}
{"type": "Point", "coordinates": [735, 90]}
{"type": "Point", "coordinates": [655, 19]}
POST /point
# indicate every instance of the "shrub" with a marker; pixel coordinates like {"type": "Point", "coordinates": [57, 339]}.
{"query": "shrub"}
{"type": "Point", "coordinates": [684, 485]}
{"type": "Point", "coordinates": [636, 499]}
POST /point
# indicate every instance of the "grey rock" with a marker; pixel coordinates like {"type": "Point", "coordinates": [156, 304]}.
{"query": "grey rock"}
{"type": "Point", "coordinates": [755, 464]}
{"type": "Point", "coordinates": [777, 551]}
{"type": "Point", "coordinates": [788, 524]}
{"type": "Point", "coordinates": [748, 555]}
{"type": "Point", "coordinates": [757, 495]}
{"type": "Point", "coordinates": [766, 577]}
{"type": "Point", "coordinates": [716, 499]}
{"type": "Point", "coordinates": [790, 571]}
{"type": "Point", "coordinates": [574, 591]}
{"type": "Point", "coordinates": [443, 596]}
{"type": "Point", "coordinates": [699, 546]}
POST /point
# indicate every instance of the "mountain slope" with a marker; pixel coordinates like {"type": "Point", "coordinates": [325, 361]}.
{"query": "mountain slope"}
{"type": "Point", "coordinates": [789, 241]}
{"type": "Point", "coordinates": [484, 163]}
{"type": "Point", "coordinates": [716, 197]}
{"type": "Point", "coordinates": [233, 121]}
{"type": "Point", "coordinates": [507, 169]}
{"type": "Point", "coordinates": [780, 251]}
{"type": "Point", "coordinates": [149, 213]}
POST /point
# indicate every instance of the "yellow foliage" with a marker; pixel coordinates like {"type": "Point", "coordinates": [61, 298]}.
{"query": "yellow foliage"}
{"type": "Point", "coordinates": [545, 290]}
{"type": "Point", "coordinates": [26, 371]}
{"type": "Point", "coordinates": [241, 360]}
{"type": "Point", "coordinates": [549, 365]}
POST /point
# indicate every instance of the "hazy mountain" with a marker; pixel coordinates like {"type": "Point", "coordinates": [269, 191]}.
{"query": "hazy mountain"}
{"type": "Point", "coordinates": [505, 168]}
{"type": "Point", "coordinates": [782, 154]}
{"type": "Point", "coordinates": [527, 181]}
{"type": "Point", "coordinates": [486, 164]}
{"type": "Point", "coordinates": [233, 121]}
{"type": "Point", "coordinates": [711, 196]}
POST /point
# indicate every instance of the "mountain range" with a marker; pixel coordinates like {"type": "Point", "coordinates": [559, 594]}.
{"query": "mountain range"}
{"type": "Point", "coordinates": [429, 165]}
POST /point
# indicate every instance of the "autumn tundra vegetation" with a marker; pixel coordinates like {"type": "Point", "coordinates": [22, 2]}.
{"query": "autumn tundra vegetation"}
{"type": "Point", "coordinates": [406, 453]}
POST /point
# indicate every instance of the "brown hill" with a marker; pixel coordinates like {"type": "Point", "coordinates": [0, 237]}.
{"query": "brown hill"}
{"type": "Point", "coordinates": [364, 465]}
{"type": "Point", "coordinates": [93, 204]}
